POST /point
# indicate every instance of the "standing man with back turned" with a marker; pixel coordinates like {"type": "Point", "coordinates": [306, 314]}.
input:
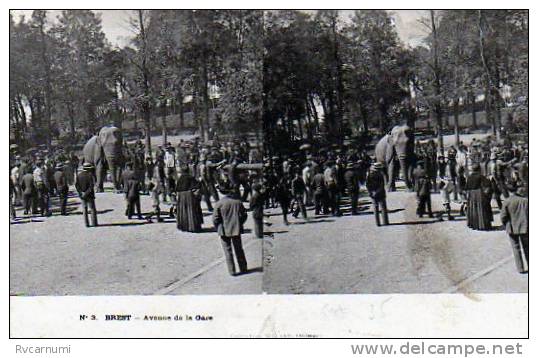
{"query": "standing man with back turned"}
{"type": "Point", "coordinates": [515, 216]}
{"type": "Point", "coordinates": [85, 188]}
{"type": "Point", "coordinates": [229, 215]}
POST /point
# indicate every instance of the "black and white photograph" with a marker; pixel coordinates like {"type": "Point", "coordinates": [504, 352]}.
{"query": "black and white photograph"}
{"type": "Point", "coordinates": [136, 152]}
{"type": "Point", "coordinates": [265, 154]}
{"type": "Point", "coordinates": [396, 147]}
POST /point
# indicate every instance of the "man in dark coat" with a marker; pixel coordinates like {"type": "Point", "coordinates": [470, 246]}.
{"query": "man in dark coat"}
{"type": "Point", "coordinates": [29, 192]}
{"type": "Point", "coordinates": [298, 190]}
{"type": "Point", "coordinates": [40, 182]}
{"type": "Point", "coordinates": [127, 175]}
{"type": "Point", "coordinates": [229, 215]}
{"type": "Point", "coordinates": [423, 188]}
{"type": "Point", "coordinates": [61, 187]}
{"type": "Point", "coordinates": [85, 188]}
{"type": "Point", "coordinates": [515, 217]}
{"type": "Point", "coordinates": [320, 192]}
{"type": "Point", "coordinates": [375, 183]}
{"type": "Point", "coordinates": [351, 179]}
{"type": "Point", "coordinates": [132, 196]}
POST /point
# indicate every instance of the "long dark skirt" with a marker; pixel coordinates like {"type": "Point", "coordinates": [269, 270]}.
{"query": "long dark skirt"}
{"type": "Point", "coordinates": [189, 212]}
{"type": "Point", "coordinates": [479, 214]}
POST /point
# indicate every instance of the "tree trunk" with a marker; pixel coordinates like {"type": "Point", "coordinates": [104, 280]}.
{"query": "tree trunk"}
{"type": "Point", "coordinates": [314, 113]}
{"type": "Point", "coordinates": [164, 129]}
{"type": "Point", "coordinates": [300, 127]}
{"type": "Point", "coordinates": [72, 129]}
{"type": "Point", "coordinates": [437, 85]}
{"type": "Point", "coordinates": [382, 108]}
{"type": "Point", "coordinates": [309, 120]}
{"type": "Point", "coordinates": [22, 113]}
{"type": "Point", "coordinates": [48, 86]}
{"type": "Point", "coordinates": [90, 120]}
{"type": "Point", "coordinates": [488, 87]}
{"type": "Point", "coordinates": [326, 118]}
{"type": "Point", "coordinates": [473, 110]}
{"type": "Point", "coordinates": [205, 97]}
{"type": "Point", "coordinates": [147, 126]}
{"type": "Point", "coordinates": [179, 105]}
{"type": "Point", "coordinates": [456, 120]}
{"type": "Point", "coordinates": [145, 73]}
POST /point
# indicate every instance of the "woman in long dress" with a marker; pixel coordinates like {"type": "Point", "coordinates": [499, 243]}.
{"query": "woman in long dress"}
{"type": "Point", "coordinates": [189, 211]}
{"type": "Point", "coordinates": [479, 213]}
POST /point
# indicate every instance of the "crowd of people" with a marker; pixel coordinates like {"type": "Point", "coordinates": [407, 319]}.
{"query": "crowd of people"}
{"type": "Point", "coordinates": [223, 175]}
{"type": "Point", "coordinates": [472, 176]}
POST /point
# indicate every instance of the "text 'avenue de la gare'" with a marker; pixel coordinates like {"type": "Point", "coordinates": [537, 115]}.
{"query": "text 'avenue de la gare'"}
{"type": "Point", "coordinates": [128, 317]}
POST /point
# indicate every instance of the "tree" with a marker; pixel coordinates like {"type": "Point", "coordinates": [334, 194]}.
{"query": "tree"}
{"type": "Point", "coordinates": [80, 68]}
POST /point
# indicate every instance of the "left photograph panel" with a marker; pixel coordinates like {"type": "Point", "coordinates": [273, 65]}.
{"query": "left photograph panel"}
{"type": "Point", "coordinates": [135, 152]}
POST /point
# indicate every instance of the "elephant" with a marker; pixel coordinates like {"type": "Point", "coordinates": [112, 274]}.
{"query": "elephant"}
{"type": "Point", "coordinates": [395, 150]}
{"type": "Point", "coordinates": [104, 151]}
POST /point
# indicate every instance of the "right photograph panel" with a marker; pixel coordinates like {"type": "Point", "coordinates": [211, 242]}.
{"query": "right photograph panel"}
{"type": "Point", "coordinates": [396, 151]}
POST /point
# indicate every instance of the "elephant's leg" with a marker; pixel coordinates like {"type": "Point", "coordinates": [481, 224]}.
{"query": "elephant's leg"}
{"type": "Point", "coordinates": [392, 172]}
{"type": "Point", "coordinates": [410, 180]}
{"type": "Point", "coordinates": [100, 174]}
{"type": "Point", "coordinates": [118, 178]}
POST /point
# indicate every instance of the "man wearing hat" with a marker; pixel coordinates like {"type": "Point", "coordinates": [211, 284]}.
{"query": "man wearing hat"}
{"type": "Point", "coordinates": [170, 169]}
{"type": "Point", "coordinates": [331, 182]}
{"type": "Point", "coordinates": [228, 217]}
{"type": "Point", "coordinates": [29, 191]}
{"type": "Point", "coordinates": [298, 190]}
{"type": "Point", "coordinates": [41, 188]}
{"type": "Point", "coordinates": [515, 217]}
{"type": "Point", "coordinates": [495, 175]}
{"type": "Point", "coordinates": [62, 187]}
{"type": "Point", "coordinates": [319, 190]}
{"type": "Point", "coordinates": [423, 188]}
{"type": "Point", "coordinates": [351, 180]}
{"type": "Point", "coordinates": [375, 183]}
{"type": "Point", "coordinates": [85, 188]}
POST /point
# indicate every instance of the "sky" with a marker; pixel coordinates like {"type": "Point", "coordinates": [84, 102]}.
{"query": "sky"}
{"type": "Point", "coordinates": [116, 24]}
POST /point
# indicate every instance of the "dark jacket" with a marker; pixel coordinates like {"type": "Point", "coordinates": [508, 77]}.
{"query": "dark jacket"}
{"type": "Point", "coordinates": [229, 215]}
{"type": "Point", "coordinates": [132, 190]}
{"type": "Point", "coordinates": [423, 186]}
{"type": "Point", "coordinates": [351, 179]}
{"type": "Point", "coordinates": [318, 182]}
{"type": "Point", "coordinates": [298, 186]}
{"type": "Point", "coordinates": [84, 185]}
{"type": "Point", "coordinates": [515, 215]}
{"type": "Point", "coordinates": [375, 183]}
{"type": "Point", "coordinates": [28, 184]}
{"type": "Point", "coordinates": [61, 182]}
{"type": "Point", "coordinates": [127, 175]}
